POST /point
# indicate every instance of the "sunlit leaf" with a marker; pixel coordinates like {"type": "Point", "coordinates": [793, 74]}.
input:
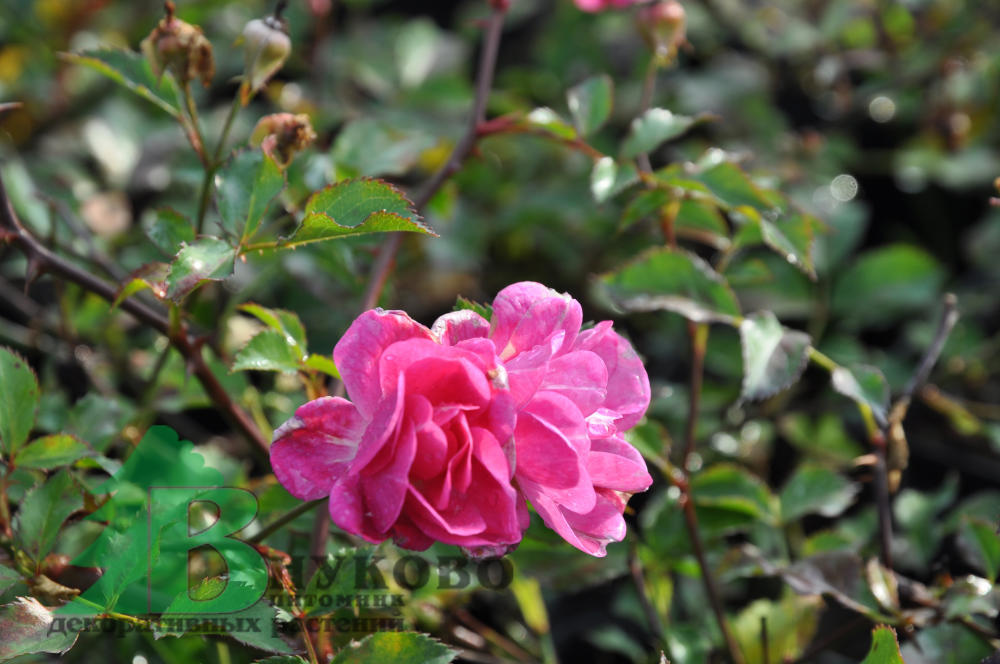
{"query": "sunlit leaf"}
{"type": "Point", "coordinates": [774, 357]}
{"type": "Point", "coordinates": [652, 129]}
{"type": "Point", "coordinates": [885, 649]}
{"type": "Point", "coordinates": [270, 350]}
{"type": "Point", "coordinates": [590, 103]}
{"type": "Point", "coordinates": [170, 230]}
{"type": "Point", "coordinates": [26, 627]}
{"type": "Point", "coordinates": [396, 647]}
{"type": "Point", "coordinates": [608, 178]}
{"type": "Point", "coordinates": [18, 401]}
{"type": "Point", "coordinates": [52, 451]}
{"type": "Point", "coordinates": [246, 186]}
{"type": "Point", "coordinates": [131, 70]}
{"type": "Point", "coordinates": [866, 385]}
{"type": "Point", "coordinates": [206, 259]}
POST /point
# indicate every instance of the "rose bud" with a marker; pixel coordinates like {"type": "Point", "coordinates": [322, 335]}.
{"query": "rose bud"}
{"type": "Point", "coordinates": [282, 135]}
{"type": "Point", "coordinates": [180, 48]}
{"type": "Point", "coordinates": [267, 46]}
{"type": "Point", "coordinates": [662, 26]}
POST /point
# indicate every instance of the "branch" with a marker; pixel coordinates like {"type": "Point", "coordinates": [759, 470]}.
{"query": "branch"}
{"type": "Point", "coordinates": [42, 259]}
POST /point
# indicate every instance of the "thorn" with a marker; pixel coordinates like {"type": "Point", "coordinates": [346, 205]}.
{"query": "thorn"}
{"type": "Point", "coordinates": [34, 270]}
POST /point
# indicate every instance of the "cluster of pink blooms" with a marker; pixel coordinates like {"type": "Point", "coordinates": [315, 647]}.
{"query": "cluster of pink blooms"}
{"type": "Point", "coordinates": [451, 431]}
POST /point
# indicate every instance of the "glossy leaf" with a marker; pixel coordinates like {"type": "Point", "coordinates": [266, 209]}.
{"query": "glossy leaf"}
{"type": "Point", "coordinates": [816, 490]}
{"type": "Point", "coordinates": [396, 647]}
{"type": "Point", "coordinates": [207, 259]}
{"type": "Point", "coordinates": [729, 487]}
{"type": "Point", "coordinates": [671, 280]}
{"type": "Point", "coordinates": [131, 70]}
{"type": "Point", "coordinates": [18, 401]}
{"type": "Point", "coordinates": [52, 451]}
{"type": "Point", "coordinates": [269, 350]}
{"type": "Point", "coordinates": [865, 384]}
{"type": "Point", "coordinates": [774, 357]}
{"type": "Point", "coordinates": [608, 178]}
{"type": "Point", "coordinates": [590, 103]}
{"type": "Point", "coordinates": [791, 236]}
{"type": "Point", "coordinates": [170, 231]}
{"type": "Point", "coordinates": [280, 320]}
{"type": "Point", "coordinates": [732, 187]}
{"type": "Point", "coordinates": [547, 119]}
{"type": "Point", "coordinates": [652, 129]}
{"type": "Point", "coordinates": [26, 627]}
{"type": "Point", "coordinates": [246, 186]}
{"type": "Point", "coordinates": [885, 648]}
{"type": "Point", "coordinates": [981, 540]}
{"type": "Point", "coordinates": [323, 364]}
{"type": "Point", "coordinates": [356, 207]}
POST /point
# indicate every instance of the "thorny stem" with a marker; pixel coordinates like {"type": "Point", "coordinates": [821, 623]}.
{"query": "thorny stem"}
{"type": "Point", "coordinates": [484, 83]}
{"type": "Point", "coordinates": [41, 258]}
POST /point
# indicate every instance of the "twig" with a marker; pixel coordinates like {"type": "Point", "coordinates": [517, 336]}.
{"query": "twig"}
{"type": "Point", "coordinates": [484, 83]}
{"type": "Point", "coordinates": [639, 579]}
{"type": "Point", "coordinates": [648, 88]}
{"type": "Point", "coordinates": [948, 319]}
{"type": "Point", "coordinates": [41, 258]}
{"type": "Point", "coordinates": [285, 518]}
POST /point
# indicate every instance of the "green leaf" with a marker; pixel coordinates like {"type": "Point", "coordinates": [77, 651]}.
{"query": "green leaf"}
{"type": "Point", "coordinates": [646, 204]}
{"type": "Point", "coordinates": [886, 283]}
{"type": "Point", "coordinates": [700, 215]}
{"type": "Point", "coordinates": [269, 350]}
{"type": "Point", "coordinates": [824, 439]}
{"type": "Point", "coordinates": [370, 148]}
{"type": "Point", "coordinates": [982, 541]}
{"type": "Point", "coordinates": [608, 178]}
{"type": "Point", "coordinates": [866, 385]}
{"type": "Point", "coordinates": [246, 186]}
{"type": "Point", "coordinates": [731, 488]}
{"type": "Point", "coordinates": [774, 357]}
{"type": "Point", "coordinates": [323, 364]}
{"type": "Point", "coordinates": [732, 187]}
{"type": "Point", "coordinates": [653, 128]}
{"type": "Point", "coordinates": [151, 276]}
{"type": "Point", "coordinates": [338, 575]}
{"type": "Point", "coordinates": [26, 627]}
{"type": "Point", "coordinates": [50, 451]}
{"type": "Point", "coordinates": [355, 207]}
{"type": "Point", "coordinates": [43, 511]}
{"type": "Point", "coordinates": [791, 236]}
{"type": "Point", "coordinates": [791, 624]}
{"type": "Point", "coordinates": [206, 259]}
{"type": "Point", "coordinates": [18, 401]}
{"type": "Point", "coordinates": [131, 70]}
{"type": "Point", "coordinates": [590, 103]}
{"type": "Point", "coordinates": [8, 578]}
{"type": "Point", "coordinates": [281, 659]}
{"type": "Point", "coordinates": [551, 121]}
{"type": "Point", "coordinates": [283, 321]}
{"type": "Point", "coordinates": [464, 303]}
{"type": "Point", "coordinates": [395, 647]}
{"type": "Point", "coordinates": [258, 618]}
{"type": "Point", "coordinates": [170, 230]}
{"type": "Point", "coordinates": [885, 649]}
{"type": "Point", "coordinates": [816, 490]}
{"type": "Point", "coordinates": [671, 280]}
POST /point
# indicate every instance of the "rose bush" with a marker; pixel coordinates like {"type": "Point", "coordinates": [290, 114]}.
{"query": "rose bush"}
{"type": "Point", "coordinates": [450, 430]}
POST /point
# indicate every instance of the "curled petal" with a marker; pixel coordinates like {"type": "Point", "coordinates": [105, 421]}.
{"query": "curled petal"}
{"type": "Point", "coordinates": [614, 464]}
{"type": "Point", "coordinates": [313, 448]}
{"type": "Point", "coordinates": [358, 352]}
{"type": "Point", "coordinates": [528, 314]}
{"type": "Point", "coordinates": [628, 383]}
{"type": "Point", "coordinates": [460, 325]}
{"type": "Point", "coordinates": [580, 376]}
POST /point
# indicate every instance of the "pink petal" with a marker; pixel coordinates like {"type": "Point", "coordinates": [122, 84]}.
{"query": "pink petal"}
{"type": "Point", "coordinates": [385, 491]}
{"type": "Point", "coordinates": [358, 351]}
{"type": "Point", "coordinates": [553, 517]}
{"type": "Point", "coordinates": [600, 525]}
{"type": "Point", "coordinates": [528, 314]}
{"type": "Point", "coordinates": [347, 509]}
{"type": "Point", "coordinates": [581, 377]}
{"type": "Point", "coordinates": [614, 464]}
{"type": "Point", "coordinates": [552, 445]}
{"type": "Point", "coordinates": [628, 384]}
{"type": "Point", "coordinates": [313, 448]}
{"type": "Point", "coordinates": [459, 326]}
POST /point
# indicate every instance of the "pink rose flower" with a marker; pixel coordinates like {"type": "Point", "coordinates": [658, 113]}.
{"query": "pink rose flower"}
{"type": "Point", "coordinates": [601, 5]}
{"type": "Point", "coordinates": [576, 394]}
{"type": "Point", "coordinates": [423, 450]}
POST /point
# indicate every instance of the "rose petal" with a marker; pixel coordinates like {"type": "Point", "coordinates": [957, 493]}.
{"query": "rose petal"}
{"type": "Point", "coordinates": [614, 464]}
{"type": "Point", "coordinates": [313, 448]}
{"type": "Point", "coordinates": [528, 314]}
{"type": "Point", "coordinates": [385, 491]}
{"type": "Point", "coordinates": [628, 383]}
{"type": "Point", "coordinates": [457, 326]}
{"type": "Point", "coordinates": [358, 352]}
{"type": "Point", "coordinates": [580, 376]}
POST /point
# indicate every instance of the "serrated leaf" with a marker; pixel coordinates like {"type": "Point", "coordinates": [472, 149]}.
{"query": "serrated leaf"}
{"type": "Point", "coordinates": [370, 148]}
{"type": "Point", "coordinates": [170, 230]}
{"type": "Point", "coordinates": [43, 511]}
{"type": "Point", "coordinates": [774, 357]}
{"type": "Point", "coordinates": [355, 207]}
{"type": "Point", "coordinates": [281, 320]}
{"type": "Point", "coordinates": [8, 578]}
{"type": "Point", "coordinates": [396, 647]}
{"type": "Point", "coordinates": [464, 303]}
{"type": "Point", "coordinates": [590, 103]}
{"type": "Point", "coordinates": [323, 364]}
{"type": "Point", "coordinates": [269, 350]}
{"type": "Point", "coordinates": [26, 627]}
{"type": "Point", "coordinates": [131, 70]}
{"type": "Point", "coordinates": [816, 490]}
{"type": "Point", "coordinates": [246, 186]}
{"type": "Point", "coordinates": [701, 215]}
{"type": "Point", "coordinates": [258, 619]}
{"type": "Point", "coordinates": [608, 178]}
{"type": "Point", "coordinates": [51, 451]}
{"type": "Point", "coordinates": [207, 259]}
{"type": "Point", "coordinates": [885, 648]}
{"type": "Point", "coordinates": [18, 401]}
{"type": "Point", "coordinates": [671, 280]}
{"type": "Point", "coordinates": [885, 283]}
{"type": "Point", "coordinates": [653, 128]}
{"type": "Point", "coordinates": [865, 384]}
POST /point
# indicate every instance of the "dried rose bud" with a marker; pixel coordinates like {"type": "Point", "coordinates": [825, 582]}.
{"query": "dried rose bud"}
{"type": "Point", "coordinates": [282, 135]}
{"type": "Point", "coordinates": [662, 26]}
{"type": "Point", "coordinates": [180, 48]}
{"type": "Point", "coordinates": [267, 47]}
